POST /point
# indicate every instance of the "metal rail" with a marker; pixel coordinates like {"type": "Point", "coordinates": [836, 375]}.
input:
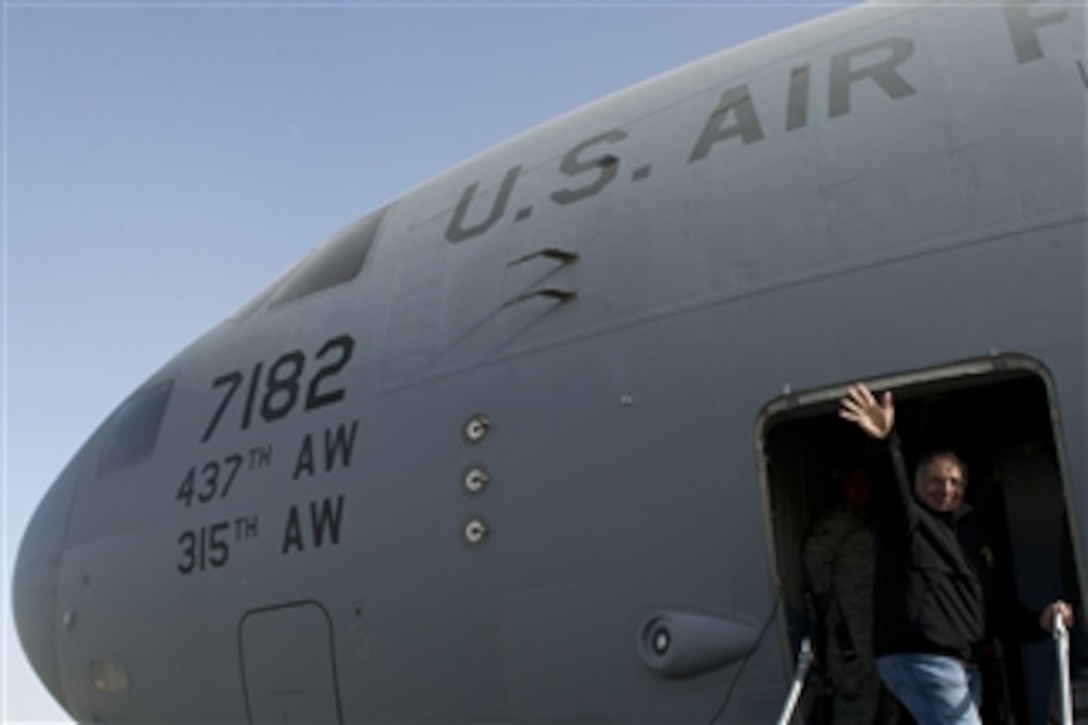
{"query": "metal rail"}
{"type": "Point", "coordinates": [1061, 640]}
{"type": "Point", "coordinates": [804, 664]}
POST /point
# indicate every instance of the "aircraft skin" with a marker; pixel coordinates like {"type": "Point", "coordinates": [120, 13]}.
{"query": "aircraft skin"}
{"type": "Point", "coordinates": [453, 488]}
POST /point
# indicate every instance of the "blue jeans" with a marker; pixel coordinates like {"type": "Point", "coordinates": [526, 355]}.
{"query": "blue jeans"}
{"type": "Point", "coordinates": [937, 690]}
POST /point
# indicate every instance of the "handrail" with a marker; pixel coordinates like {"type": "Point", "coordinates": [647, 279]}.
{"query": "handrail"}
{"type": "Point", "coordinates": [1061, 640]}
{"type": "Point", "coordinates": [804, 663]}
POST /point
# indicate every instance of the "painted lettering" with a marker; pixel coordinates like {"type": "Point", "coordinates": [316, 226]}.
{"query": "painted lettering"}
{"type": "Point", "coordinates": [305, 461]}
{"type": "Point", "coordinates": [797, 103]}
{"type": "Point", "coordinates": [1023, 27]}
{"type": "Point", "coordinates": [205, 548]}
{"type": "Point", "coordinates": [339, 444]}
{"type": "Point", "coordinates": [607, 166]}
{"type": "Point", "coordinates": [456, 232]}
{"type": "Point", "coordinates": [325, 520]}
{"type": "Point", "coordinates": [292, 534]}
{"type": "Point", "coordinates": [280, 392]}
{"type": "Point", "coordinates": [735, 102]}
{"type": "Point", "coordinates": [210, 481]}
{"type": "Point", "coordinates": [884, 73]}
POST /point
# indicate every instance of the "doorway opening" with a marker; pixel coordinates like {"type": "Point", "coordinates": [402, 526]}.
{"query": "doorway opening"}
{"type": "Point", "coordinates": [1000, 417]}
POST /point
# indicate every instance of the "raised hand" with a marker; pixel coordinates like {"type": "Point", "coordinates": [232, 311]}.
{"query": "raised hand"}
{"type": "Point", "coordinates": [860, 406]}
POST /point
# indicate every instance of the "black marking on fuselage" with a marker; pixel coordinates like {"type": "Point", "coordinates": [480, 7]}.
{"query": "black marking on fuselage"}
{"type": "Point", "coordinates": [524, 213]}
{"type": "Point", "coordinates": [1083, 73]}
{"type": "Point", "coordinates": [641, 172]}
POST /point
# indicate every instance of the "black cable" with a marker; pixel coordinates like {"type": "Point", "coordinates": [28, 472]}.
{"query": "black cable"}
{"type": "Point", "coordinates": [744, 662]}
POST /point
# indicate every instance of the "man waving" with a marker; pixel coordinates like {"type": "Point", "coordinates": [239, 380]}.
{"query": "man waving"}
{"type": "Point", "coordinates": [935, 603]}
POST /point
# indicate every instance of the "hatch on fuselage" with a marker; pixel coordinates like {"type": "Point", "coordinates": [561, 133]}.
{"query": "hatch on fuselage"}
{"type": "Point", "coordinates": [1000, 416]}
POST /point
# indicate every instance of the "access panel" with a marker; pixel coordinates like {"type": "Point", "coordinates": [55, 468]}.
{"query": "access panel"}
{"type": "Point", "coordinates": [288, 667]}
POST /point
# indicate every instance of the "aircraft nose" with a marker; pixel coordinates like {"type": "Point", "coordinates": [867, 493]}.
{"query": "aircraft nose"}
{"type": "Point", "coordinates": [37, 577]}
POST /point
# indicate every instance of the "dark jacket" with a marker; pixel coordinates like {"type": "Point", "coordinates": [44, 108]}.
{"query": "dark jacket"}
{"type": "Point", "coordinates": [935, 585]}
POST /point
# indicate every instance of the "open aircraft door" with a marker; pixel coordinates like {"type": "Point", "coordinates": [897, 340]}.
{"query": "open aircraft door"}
{"type": "Point", "coordinates": [288, 664]}
{"type": "Point", "coordinates": [1000, 415]}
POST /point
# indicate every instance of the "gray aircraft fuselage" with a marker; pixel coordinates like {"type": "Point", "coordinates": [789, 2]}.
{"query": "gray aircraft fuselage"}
{"type": "Point", "coordinates": [496, 451]}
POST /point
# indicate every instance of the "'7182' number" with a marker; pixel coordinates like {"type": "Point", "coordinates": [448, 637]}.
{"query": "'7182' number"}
{"type": "Point", "coordinates": [275, 394]}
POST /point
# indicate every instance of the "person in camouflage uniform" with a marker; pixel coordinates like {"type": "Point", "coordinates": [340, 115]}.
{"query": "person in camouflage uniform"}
{"type": "Point", "coordinates": [839, 558]}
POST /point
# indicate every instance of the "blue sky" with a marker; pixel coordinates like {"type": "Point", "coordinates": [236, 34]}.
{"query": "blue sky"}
{"type": "Point", "coordinates": [163, 161]}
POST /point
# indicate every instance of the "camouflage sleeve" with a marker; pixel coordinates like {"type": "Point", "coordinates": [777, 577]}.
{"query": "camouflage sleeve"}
{"type": "Point", "coordinates": [820, 551]}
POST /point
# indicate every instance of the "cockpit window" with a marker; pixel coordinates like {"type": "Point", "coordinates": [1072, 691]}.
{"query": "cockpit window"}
{"type": "Point", "coordinates": [258, 301]}
{"type": "Point", "coordinates": [334, 262]}
{"type": "Point", "coordinates": [135, 429]}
